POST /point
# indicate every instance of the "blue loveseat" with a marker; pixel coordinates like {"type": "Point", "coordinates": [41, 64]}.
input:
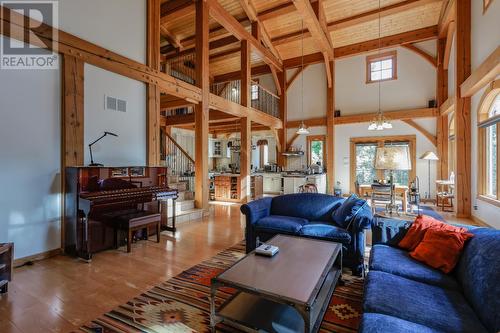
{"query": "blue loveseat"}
{"type": "Point", "coordinates": [310, 215]}
{"type": "Point", "coordinates": [404, 295]}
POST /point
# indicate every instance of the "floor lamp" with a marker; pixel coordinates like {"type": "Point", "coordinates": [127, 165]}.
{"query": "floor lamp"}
{"type": "Point", "coordinates": [429, 156]}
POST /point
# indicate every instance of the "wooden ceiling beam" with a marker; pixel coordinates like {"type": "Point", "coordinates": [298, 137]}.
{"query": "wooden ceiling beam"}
{"type": "Point", "coordinates": [188, 119]}
{"type": "Point", "coordinates": [276, 11]}
{"type": "Point", "coordinates": [171, 38]}
{"type": "Point", "coordinates": [367, 117]}
{"type": "Point", "coordinates": [251, 12]}
{"type": "Point", "coordinates": [429, 58]}
{"type": "Point", "coordinates": [236, 75]}
{"type": "Point", "coordinates": [484, 74]}
{"type": "Point", "coordinates": [216, 34]}
{"type": "Point", "coordinates": [314, 26]}
{"type": "Point", "coordinates": [390, 115]}
{"type": "Point", "coordinates": [426, 133]}
{"type": "Point", "coordinates": [449, 40]}
{"type": "Point", "coordinates": [234, 27]}
{"type": "Point", "coordinates": [174, 9]}
{"type": "Point", "coordinates": [355, 19]}
{"type": "Point", "coordinates": [295, 76]}
{"type": "Point", "coordinates": [408, 37]}
{"type": "Point", "coordinates": [446, 16]}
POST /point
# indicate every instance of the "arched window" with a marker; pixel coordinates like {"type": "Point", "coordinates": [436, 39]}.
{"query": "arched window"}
{"type": "Point", "coordinates": [489, 128]}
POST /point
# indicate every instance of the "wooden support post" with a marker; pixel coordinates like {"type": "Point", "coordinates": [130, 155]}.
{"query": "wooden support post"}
{"type": "Point", "coordinates": [442, 120]}
{"type": "Point", "coordinates": [73, 112]}
{"type": "Point", "coordinates": [246, 123]}
{"type": "Point", "coordinates": [201, 117]}
{"type": "Point", "coordinates": [462, 109]}
{"type": "Point", "coordinates": [153, 125]}
{"type": "Point", "coordinates": [330, 131]}
{"type": "Point", "coordinates": [245, 158]}
{"type": "Point", "coordinates": [72, 137]}
{"type": "Point", "coordinates": [283, 116]}
{"type": "Point", "coordinates": [153, 90]}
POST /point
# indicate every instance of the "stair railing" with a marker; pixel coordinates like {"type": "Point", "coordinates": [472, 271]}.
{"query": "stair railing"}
{"type": "Point", "coordinates": [178, 161]}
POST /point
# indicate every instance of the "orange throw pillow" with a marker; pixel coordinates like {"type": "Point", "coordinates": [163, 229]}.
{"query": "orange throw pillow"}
{"type": "Point", "coordinates": [441, 249]}
{"type": "Point", "coordinates": [418, 229]}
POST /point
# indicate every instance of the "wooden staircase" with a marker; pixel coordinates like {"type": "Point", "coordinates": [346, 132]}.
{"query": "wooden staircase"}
{"type": "Point", "coordinates": [179, 164]}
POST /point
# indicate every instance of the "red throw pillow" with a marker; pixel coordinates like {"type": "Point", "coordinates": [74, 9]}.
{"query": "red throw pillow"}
{"type": "Point", "coordinates": [418, 229]}
{"type": "Point", "coordinates": [441, 249]}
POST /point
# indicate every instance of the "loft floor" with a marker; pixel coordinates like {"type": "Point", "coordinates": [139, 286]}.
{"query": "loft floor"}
{"type": "Point", "coordinates": [62, 293]}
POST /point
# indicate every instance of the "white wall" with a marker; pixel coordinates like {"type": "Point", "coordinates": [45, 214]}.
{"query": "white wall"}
{"type": "Point", "coordinates": [485, 39]}
{"type": "Point", "coordinates": [414, 87]}
{"type": "Point", "coordinates": [130, 147]}
{"type": "Point", "coordinates": [30, 122]}
{"type": "Point", "coordinates": [117, 25]}
{"type": "Point", "coordinates": [314, 94]}
{"type": "Point", "coordinates": [30, 143]}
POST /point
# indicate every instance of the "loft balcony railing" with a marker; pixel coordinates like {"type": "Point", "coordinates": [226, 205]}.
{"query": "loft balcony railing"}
{"type": "Point", "coordinates": [230, 90]}
{"type": "Point", "coordinates": [264, 100]}
{"type": "Point", "coordinates": [261, 98]}
{"type": "Point", "coordinates": [179, 111]}
{"type": "Point", "coordinates": [181, 67]}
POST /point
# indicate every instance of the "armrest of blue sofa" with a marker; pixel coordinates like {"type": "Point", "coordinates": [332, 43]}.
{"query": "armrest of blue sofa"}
{"type": "Point", "coordinates": [363, 219]}
{"type": "Point", "coordinates": [256, 210]}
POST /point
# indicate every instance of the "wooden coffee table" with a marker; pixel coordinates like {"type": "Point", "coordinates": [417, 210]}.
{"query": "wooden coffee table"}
{"type": "Point", "coordinates": [289, 292]}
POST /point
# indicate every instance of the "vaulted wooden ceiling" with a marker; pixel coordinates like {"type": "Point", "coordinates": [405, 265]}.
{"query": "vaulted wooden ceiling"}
{"type": "Point", "coordinates": [346, 22]}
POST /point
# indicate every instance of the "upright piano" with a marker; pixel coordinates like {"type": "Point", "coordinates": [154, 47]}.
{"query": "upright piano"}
{"type": "Point", "coordinates": [94, 196]}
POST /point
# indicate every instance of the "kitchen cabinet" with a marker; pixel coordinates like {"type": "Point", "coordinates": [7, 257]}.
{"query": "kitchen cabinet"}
{"type": "Point", "coordinates": [292, 184]}
{"type": "Point", "coordinates": [227, 188]}
{"type": "Point", "coordinates": [272, 183]}
{"type": "Point", "coordinates": [218, 149]}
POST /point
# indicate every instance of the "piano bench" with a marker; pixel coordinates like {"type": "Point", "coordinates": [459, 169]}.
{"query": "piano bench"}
{"type": "Point", "coordinates": [137, 221]}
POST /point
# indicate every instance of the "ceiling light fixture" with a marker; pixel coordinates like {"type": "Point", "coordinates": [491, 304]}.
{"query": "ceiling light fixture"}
{"type": "Point", "coordinates": [302, 129]}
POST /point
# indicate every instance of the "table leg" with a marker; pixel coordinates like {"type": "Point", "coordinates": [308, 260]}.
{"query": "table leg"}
{"type": "Point", "coordinates": [173, 215]}
{"type": "Point", "coordinates": [405, 202]}
{"type": "Point", "coordinates": [213, 292]}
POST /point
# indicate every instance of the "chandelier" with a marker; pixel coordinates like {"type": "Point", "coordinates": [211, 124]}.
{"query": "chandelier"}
{"type": "Point", "coordinates": [379, 123]}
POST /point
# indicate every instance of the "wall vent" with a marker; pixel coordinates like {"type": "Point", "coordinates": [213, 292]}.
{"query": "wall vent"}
{"type": "Point", "coordinates": [115, 104]}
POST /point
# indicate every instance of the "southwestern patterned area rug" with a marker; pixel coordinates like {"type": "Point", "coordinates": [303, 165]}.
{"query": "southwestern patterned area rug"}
{"type": "Point", "coordinates": [182, 303]}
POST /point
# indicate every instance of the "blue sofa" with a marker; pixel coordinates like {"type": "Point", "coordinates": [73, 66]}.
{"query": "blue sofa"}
{"type": "Point", "coordinates": [405, 295]}
{"type": "Point", "coordinates": [309, 215]}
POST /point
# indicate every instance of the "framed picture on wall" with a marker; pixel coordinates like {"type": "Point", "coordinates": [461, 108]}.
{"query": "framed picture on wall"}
{"type": "Point", "coordinates": [486, 4]}
{"type": "Point", "coordinates": [118, 172]}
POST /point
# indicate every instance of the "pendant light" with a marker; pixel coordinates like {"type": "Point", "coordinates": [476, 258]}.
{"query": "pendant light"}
{"type": "Point", "coordinates": [379, 123]}
{"type": "Point", "coordinates": [302, 128]}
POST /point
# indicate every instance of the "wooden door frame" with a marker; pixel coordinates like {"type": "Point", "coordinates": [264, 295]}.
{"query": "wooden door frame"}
{"type": "Point", "coordinates": [309, 140]}
{"type": "Point", "coordinates": [380, 141]}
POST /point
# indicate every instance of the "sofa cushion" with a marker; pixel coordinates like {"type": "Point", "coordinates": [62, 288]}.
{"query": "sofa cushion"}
{"type": "Point", "coordinates": [310, 206]}
{"type": "Point", "coordinates": [327, 231]}
{"type": "Point", "coordinates": [478, 272]}
{"type": "Point", "coordinates": [276, 223]}
{"type": "Point", "coordinates": [396, 261]}
{"type": "Point", "coordinates": [380, 323]}
{"type": "Point", "coordinates": [348, 210]}
{"type": "Point", "coordinates": [441, 249]}
{"type": "Point", "coordinates": [418, 229]}
{"type": "Point", "coordinates": [438, 308]}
